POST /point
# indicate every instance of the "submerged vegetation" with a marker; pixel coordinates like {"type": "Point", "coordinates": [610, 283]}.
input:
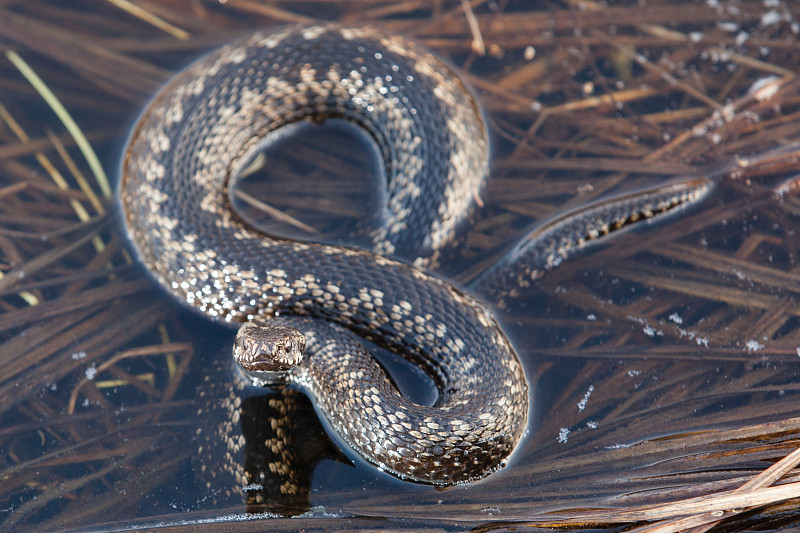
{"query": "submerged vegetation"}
{"type": "Point", "coordinates": [675, 347]}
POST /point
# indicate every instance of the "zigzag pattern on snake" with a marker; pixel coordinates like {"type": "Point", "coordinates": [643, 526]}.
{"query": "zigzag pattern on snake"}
{"type": "Point", "coordinates": [206, 125]}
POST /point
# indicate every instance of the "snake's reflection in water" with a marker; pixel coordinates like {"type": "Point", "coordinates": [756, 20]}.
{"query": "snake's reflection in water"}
{"type": "Point", "coordinates": [284, 441]}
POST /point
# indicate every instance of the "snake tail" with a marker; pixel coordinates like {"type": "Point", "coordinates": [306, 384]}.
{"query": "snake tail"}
{"type": "Point", "coordinates": [549, 244]}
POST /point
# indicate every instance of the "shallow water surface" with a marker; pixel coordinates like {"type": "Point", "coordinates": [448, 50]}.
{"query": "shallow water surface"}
{"type": "Point", "coordinates": [663, 361]}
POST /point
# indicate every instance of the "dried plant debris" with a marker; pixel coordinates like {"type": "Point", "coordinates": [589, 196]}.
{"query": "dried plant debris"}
{"type": "Point", "coordinates": [667, 358]}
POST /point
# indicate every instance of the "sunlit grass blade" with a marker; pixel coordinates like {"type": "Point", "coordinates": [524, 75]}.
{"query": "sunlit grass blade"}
{"type": "Point", "coordinates": [66, 119]}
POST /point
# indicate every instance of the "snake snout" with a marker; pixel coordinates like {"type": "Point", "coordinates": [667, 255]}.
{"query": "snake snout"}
{"type": "Point", "coordinates": [260, 348]}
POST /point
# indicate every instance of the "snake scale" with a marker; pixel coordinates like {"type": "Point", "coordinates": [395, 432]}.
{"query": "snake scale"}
{"type": "Point", "coordinates": [200, 132]}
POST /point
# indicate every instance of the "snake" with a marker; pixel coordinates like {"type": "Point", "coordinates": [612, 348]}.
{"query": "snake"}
{"type": "Point", "coordinates": [318, 303]}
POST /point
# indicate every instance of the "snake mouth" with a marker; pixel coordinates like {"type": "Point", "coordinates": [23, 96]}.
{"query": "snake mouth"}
{"type": "Point", "coordinates": [261, 378]}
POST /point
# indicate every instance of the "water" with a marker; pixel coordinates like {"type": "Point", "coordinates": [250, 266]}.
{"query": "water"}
{"type": "Point", "coordinates": [664, 358]}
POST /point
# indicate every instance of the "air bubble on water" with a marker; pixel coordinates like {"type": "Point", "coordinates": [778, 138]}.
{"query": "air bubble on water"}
{"type": "Point", "coordinates": [753, 345]}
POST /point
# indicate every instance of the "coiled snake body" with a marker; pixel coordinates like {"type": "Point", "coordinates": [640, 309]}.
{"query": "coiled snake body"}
{"type": "Point", "coordinates": [205, 126]}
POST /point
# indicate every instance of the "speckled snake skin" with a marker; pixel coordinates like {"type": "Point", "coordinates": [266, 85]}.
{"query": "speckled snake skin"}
{"type": "Point", "coordinates": [206, 125]}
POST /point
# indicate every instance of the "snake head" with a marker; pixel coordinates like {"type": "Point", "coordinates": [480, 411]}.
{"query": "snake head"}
{"type": "Point", "coordinates": [260, 348]}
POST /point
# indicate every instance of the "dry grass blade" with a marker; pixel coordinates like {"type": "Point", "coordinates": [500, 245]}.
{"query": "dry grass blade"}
{"type": "Point", "coordinates": [665, 359]}
{"type": "Point", "coordinates": [76, 173]}
{"type": "Point", "coordinates": [150, 350]}
{"type": "Point", "coordinates": [277, 214]}
{"type": "Point", "coordinates": [150, 18]}
{"type": "Point", "coordinates": [478, 45]}
{"type": "Point", "coordinates": [66, 119]}
{"type": "Point", "coordinates": [14, 276]}
{"type": "Point", "coordinates": [702, 508]}
{"type": "Point", "coordinates": [114, 72]}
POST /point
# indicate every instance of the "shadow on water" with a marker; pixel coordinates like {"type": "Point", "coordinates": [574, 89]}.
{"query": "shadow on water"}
{"type": "Point", "coordinates": [665, 360]}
